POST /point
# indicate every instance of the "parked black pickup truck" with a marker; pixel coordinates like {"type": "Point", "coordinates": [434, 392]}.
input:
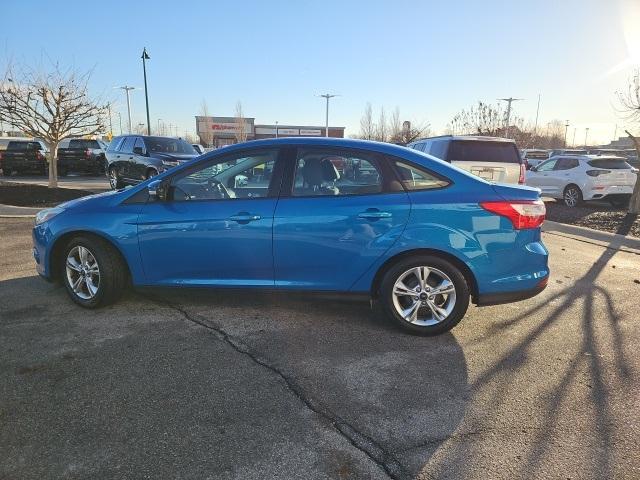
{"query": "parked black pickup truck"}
{"type": "Point", "coordinates": [82, 156]}
{"type": "Point", "coordinates": [23, 156]}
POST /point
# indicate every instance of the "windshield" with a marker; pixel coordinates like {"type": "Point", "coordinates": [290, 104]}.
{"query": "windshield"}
{"type": "Point", "coordinates": [169, 145]}
{"type": "Point", "coordinates": [483, 151]}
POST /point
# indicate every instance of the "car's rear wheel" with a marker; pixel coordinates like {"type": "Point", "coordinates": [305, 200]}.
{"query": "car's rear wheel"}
{"type": "Point", "coordinates": [572, 196]}
{"type": "Point", "coordinates": [425, 294]}
{"type": "Point", "coordinates": [93, 272]}
{"type": "Point", "coordinates": [114, 179]}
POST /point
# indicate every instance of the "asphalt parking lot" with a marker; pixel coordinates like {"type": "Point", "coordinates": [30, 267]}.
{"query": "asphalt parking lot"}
{"type": "Point", "coordinates": [205, 384]}
{"type": "Point", "coordinates": [82, 182]}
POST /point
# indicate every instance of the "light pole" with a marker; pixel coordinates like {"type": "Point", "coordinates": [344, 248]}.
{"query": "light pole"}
{"type": "Point", "coordinates": [535, 129]}
{"type": "Point", "coordinates": [276, 128]}
{"type": "Point", "coordinates": [327, 96]}
{"type": "Point", "coordinates": [573, 143]}
{"type": "Point", "coordinates": [586, 135]}
{"type": "Point", "coordinates": [127, 89]}
{"type": "Point", "coordinates": [159, 120]}
{"type": "Point", "coordinates": [120, 122]}
{"type": "Point", "coordinates": [566, 128]}
{"type": "Point", "coordinates": [508, 115]}
{"type": "Point", "coordinates": [145, 56]}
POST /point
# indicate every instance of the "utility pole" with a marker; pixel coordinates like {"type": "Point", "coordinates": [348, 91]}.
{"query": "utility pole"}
{"type": "Point", "coordinates": [586, 134]}
{"type": "Point", "coordinates": [566, 128]}
{"type": "Point", "coordinates": [120, 121]}
{"type": "Point", "coordinates": [276, 128]}
{"type": "Point", "coordinates": [535, 129]}
{"type": "Point", "coordinates": [508, 115]}
{"type": "Point", "coordinates": [573, 143]}
{"type": "Point", "coordinates": [327, 96]}
{"type": "Point", "coordinates": [159, 120]}
{"type": "Point", "coordinates": [127, 89]}
{"type": "Point", "coordinates": [145, 56]}
{"type": "Point", "coordinates": [110, 123]}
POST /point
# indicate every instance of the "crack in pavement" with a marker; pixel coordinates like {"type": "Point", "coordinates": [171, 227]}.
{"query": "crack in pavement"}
{"type": "Point", "coordinates": [385, 460]}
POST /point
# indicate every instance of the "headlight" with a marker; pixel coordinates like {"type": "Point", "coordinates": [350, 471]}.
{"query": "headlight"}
{"type": "Point", "coordinates": [47, 214]}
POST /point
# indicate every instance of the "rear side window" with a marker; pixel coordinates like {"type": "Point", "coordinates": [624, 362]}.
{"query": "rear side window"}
{"type": "Point", "coordinates": [416, 178]}
{"type": "Point", "coordinates": [610, 163]}
{"type": "Point", "coordinates": [483, 151]}
{"type": "Point", "coordinates": [566, 163]}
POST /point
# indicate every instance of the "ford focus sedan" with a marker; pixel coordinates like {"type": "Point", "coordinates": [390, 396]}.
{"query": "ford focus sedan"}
{"type": "Point", "coordinates": [420, 237]}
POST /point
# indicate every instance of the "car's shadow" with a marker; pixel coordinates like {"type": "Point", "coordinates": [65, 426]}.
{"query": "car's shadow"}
{"type": "Point", "coordinates": [396, 395]}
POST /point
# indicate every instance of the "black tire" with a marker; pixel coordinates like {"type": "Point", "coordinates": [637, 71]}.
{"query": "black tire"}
{"type": "Point", "coordinates": [459, 307]}
{"type": "Point", "coordinates": [151, 172]}
{"type": "Point", "coordinates": [113, 276]}
{"type": "Point", "coordinates": [115, 182]}
{"type": "Point", "coordinates": [572, 196]}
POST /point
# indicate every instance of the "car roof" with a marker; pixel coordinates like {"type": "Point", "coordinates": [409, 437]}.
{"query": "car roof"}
{"type": "Point", "coordinates": [381, 147]}
{"type": "Point", "coordinates": [590, 157]}
{"type": "Point", "coordinates": [474, 138]}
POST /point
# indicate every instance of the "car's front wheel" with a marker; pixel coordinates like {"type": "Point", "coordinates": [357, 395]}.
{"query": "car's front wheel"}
{"type": "Point", "coordinates": [425, 294]}
{"type": "Point", "coordinates": [93, 272]}
{"type": "Point", "coordinates": [114, 179]}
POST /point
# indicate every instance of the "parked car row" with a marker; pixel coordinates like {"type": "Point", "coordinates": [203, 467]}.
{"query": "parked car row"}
{"type": "Point", "coordinates": [24, 156]}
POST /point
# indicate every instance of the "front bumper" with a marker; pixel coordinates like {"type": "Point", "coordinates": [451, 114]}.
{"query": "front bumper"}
{"type": "Point", "coordinates": [41, 235]}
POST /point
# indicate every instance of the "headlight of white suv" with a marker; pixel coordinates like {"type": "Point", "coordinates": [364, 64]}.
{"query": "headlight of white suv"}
{"type": "Point", "coordinates": [47, 214]}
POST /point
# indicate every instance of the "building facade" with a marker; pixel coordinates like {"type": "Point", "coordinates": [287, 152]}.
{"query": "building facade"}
{"type": "Point", "coordinates": [220, 131]}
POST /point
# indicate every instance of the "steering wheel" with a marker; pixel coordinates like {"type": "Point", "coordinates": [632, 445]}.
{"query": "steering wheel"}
{"type": "Point", "coordinates": [217, 187]}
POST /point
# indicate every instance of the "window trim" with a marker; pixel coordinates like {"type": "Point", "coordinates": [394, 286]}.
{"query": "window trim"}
{"type": "Point", "coordinates": [272, 191]}
{"type": "Point", "coordinates": [380, 158]}
{"type": "Point", "coordinates": [392, 164]}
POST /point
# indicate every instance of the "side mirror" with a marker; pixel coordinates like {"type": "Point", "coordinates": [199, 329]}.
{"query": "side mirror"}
{"type": "Point", "coordinates": [138, 150]}
{"type": "Point", "coordinates": [157, 190]}
{"type": "Point", "coordinates": [533, 169]}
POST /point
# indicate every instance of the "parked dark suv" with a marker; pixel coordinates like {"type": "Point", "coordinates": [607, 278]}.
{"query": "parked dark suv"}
{"type": "Point", "coordinates": [82, 155]}
{"type": "Point", "coordinates": [134, 158]}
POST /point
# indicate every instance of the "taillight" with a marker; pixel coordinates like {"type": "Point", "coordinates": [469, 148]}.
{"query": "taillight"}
{"type": "Point", "coordinates": [39, 155]}
{"type": "Point", "coordinates": [87, 153]}
{"type": "Point", "coordinates": [523, 168]}
{"type": "Point", "coordinates": [595, 173]}
{"type": "Point", "coordinates": [523, 214]}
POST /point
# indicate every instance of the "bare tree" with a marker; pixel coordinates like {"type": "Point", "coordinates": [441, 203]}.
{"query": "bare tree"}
{"type": "Point", "coordinates": [481, 119]}
{"type": "Point", "coordinates": [367, 128]}
{"type": "Point", "coordinates": [241, 133]}
{"type": "Point", "coordinates": [206, 136]}
{"type": "Point", "coordinates": [381, 127]}
{"type": "Point", "coordinates": [629, 107]}
{"type": "Point", "coordinates": [50, 106]}
{"type": "Point", "coordinates": [395, 126]}
{"type": "Point", "coordinates": [410, 133]}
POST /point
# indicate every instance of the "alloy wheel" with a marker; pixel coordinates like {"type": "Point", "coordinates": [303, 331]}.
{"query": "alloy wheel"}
{"type": "Point", "coordinates": [113, 178]}
{"type": "Point", "coordinates": [424, 296]}
{"type": "Point", "coordinates": [571, 197]}
{"type": "Point", "coordinates": [83, 273]}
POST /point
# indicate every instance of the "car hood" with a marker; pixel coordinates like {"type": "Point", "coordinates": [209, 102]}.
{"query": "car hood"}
{"type": "Point", "coordinates": [170, 157]}
{"type": "Point", "coordinates": [89, 198]}
{"type": "Point", "coordinates": [516, 192]}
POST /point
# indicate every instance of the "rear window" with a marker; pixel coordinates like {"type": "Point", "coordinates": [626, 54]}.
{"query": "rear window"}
{"type": "Point", "coordinates": [610, 163]}
{"type": "Point", "coordinates": [20, 146]}
{"type": "Point", "coordinates": [481, 151]}
{"type": "Point", "coordinates": [84, 144]}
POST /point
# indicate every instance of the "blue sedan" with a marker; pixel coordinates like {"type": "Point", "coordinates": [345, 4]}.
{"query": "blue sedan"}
{"type": "Point", "coordinates": [419, 236]}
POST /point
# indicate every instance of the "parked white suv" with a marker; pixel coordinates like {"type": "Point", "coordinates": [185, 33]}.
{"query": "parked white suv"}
{"type": "Point", "coordinates": [492, 158]}
{"type": "Point", "coordinates": [574, 178]}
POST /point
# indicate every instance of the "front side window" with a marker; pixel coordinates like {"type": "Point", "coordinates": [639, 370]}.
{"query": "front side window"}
{"type": "Point", "coordinates": [324, 172]}
{"type": "Point", "coordinates": [127, 145]}
{"type": "Point", "coordinates": [416, 178]}
{"type": "Point", "coordinates": [139, 144]}
{"type": "Point", "coordinates": [439, 149]}
{"type": "Point", "coordinates": [244, 176]}
{"type": "Point", "coordinates": [547, 166]}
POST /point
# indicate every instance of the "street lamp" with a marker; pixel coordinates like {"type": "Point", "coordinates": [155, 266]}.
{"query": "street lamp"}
{"type": "Point", "coordinates": [586, 135]}
{"type": "Point", "coordinates": [158, 132]}
{"type": "Point", "coordinates": [145, 56]}
{"type": "Point", "coordinates": [566, 128]}
{"type": "Point", "coordinates": [327, 96]}
{"type": "Point", "coordinates": [509, 101]}
{"type": "Point", "coordinates": [276, 128]}
{"type": "Point", "coordinates": [127, 89]}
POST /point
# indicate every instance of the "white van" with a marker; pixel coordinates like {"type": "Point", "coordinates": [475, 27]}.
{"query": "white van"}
{"type": "Point", "coordinates": [492, 158]}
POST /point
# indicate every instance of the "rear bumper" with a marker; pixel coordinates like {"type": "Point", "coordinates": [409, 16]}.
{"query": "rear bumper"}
{"type": "Point", "coordinates": [24, 165]}
{"type": "Point", "coordinates": [607, 190]}
{"type": "Point", "coordinates": [81, 165]}
{"type": "Point", "coordinates": [510, 297]}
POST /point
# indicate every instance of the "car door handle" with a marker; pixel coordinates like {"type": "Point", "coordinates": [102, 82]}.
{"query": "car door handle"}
{"type": "Point", "coordinates": [374, 214]}
{"type": "Point", "coordinates": [243, 217]}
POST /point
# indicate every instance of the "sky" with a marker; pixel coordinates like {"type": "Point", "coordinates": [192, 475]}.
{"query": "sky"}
{"type": "Point", "coordinates": [428, 58]}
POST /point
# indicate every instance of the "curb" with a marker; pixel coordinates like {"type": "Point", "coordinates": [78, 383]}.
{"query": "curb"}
{"type": "Point", "coordinates": [597, 237]}
{"type": "Point", "coordinates": [11, 211]}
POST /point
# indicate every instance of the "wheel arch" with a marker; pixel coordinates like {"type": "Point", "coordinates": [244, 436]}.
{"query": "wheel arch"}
{"type": "Point", "coordinates": [464, 268]}
{"type": "Point", "coordinates": [57, 251]}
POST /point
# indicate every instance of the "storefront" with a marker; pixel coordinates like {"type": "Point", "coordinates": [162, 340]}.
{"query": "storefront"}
{"type": "Point", "coordinates": [220, 131]}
